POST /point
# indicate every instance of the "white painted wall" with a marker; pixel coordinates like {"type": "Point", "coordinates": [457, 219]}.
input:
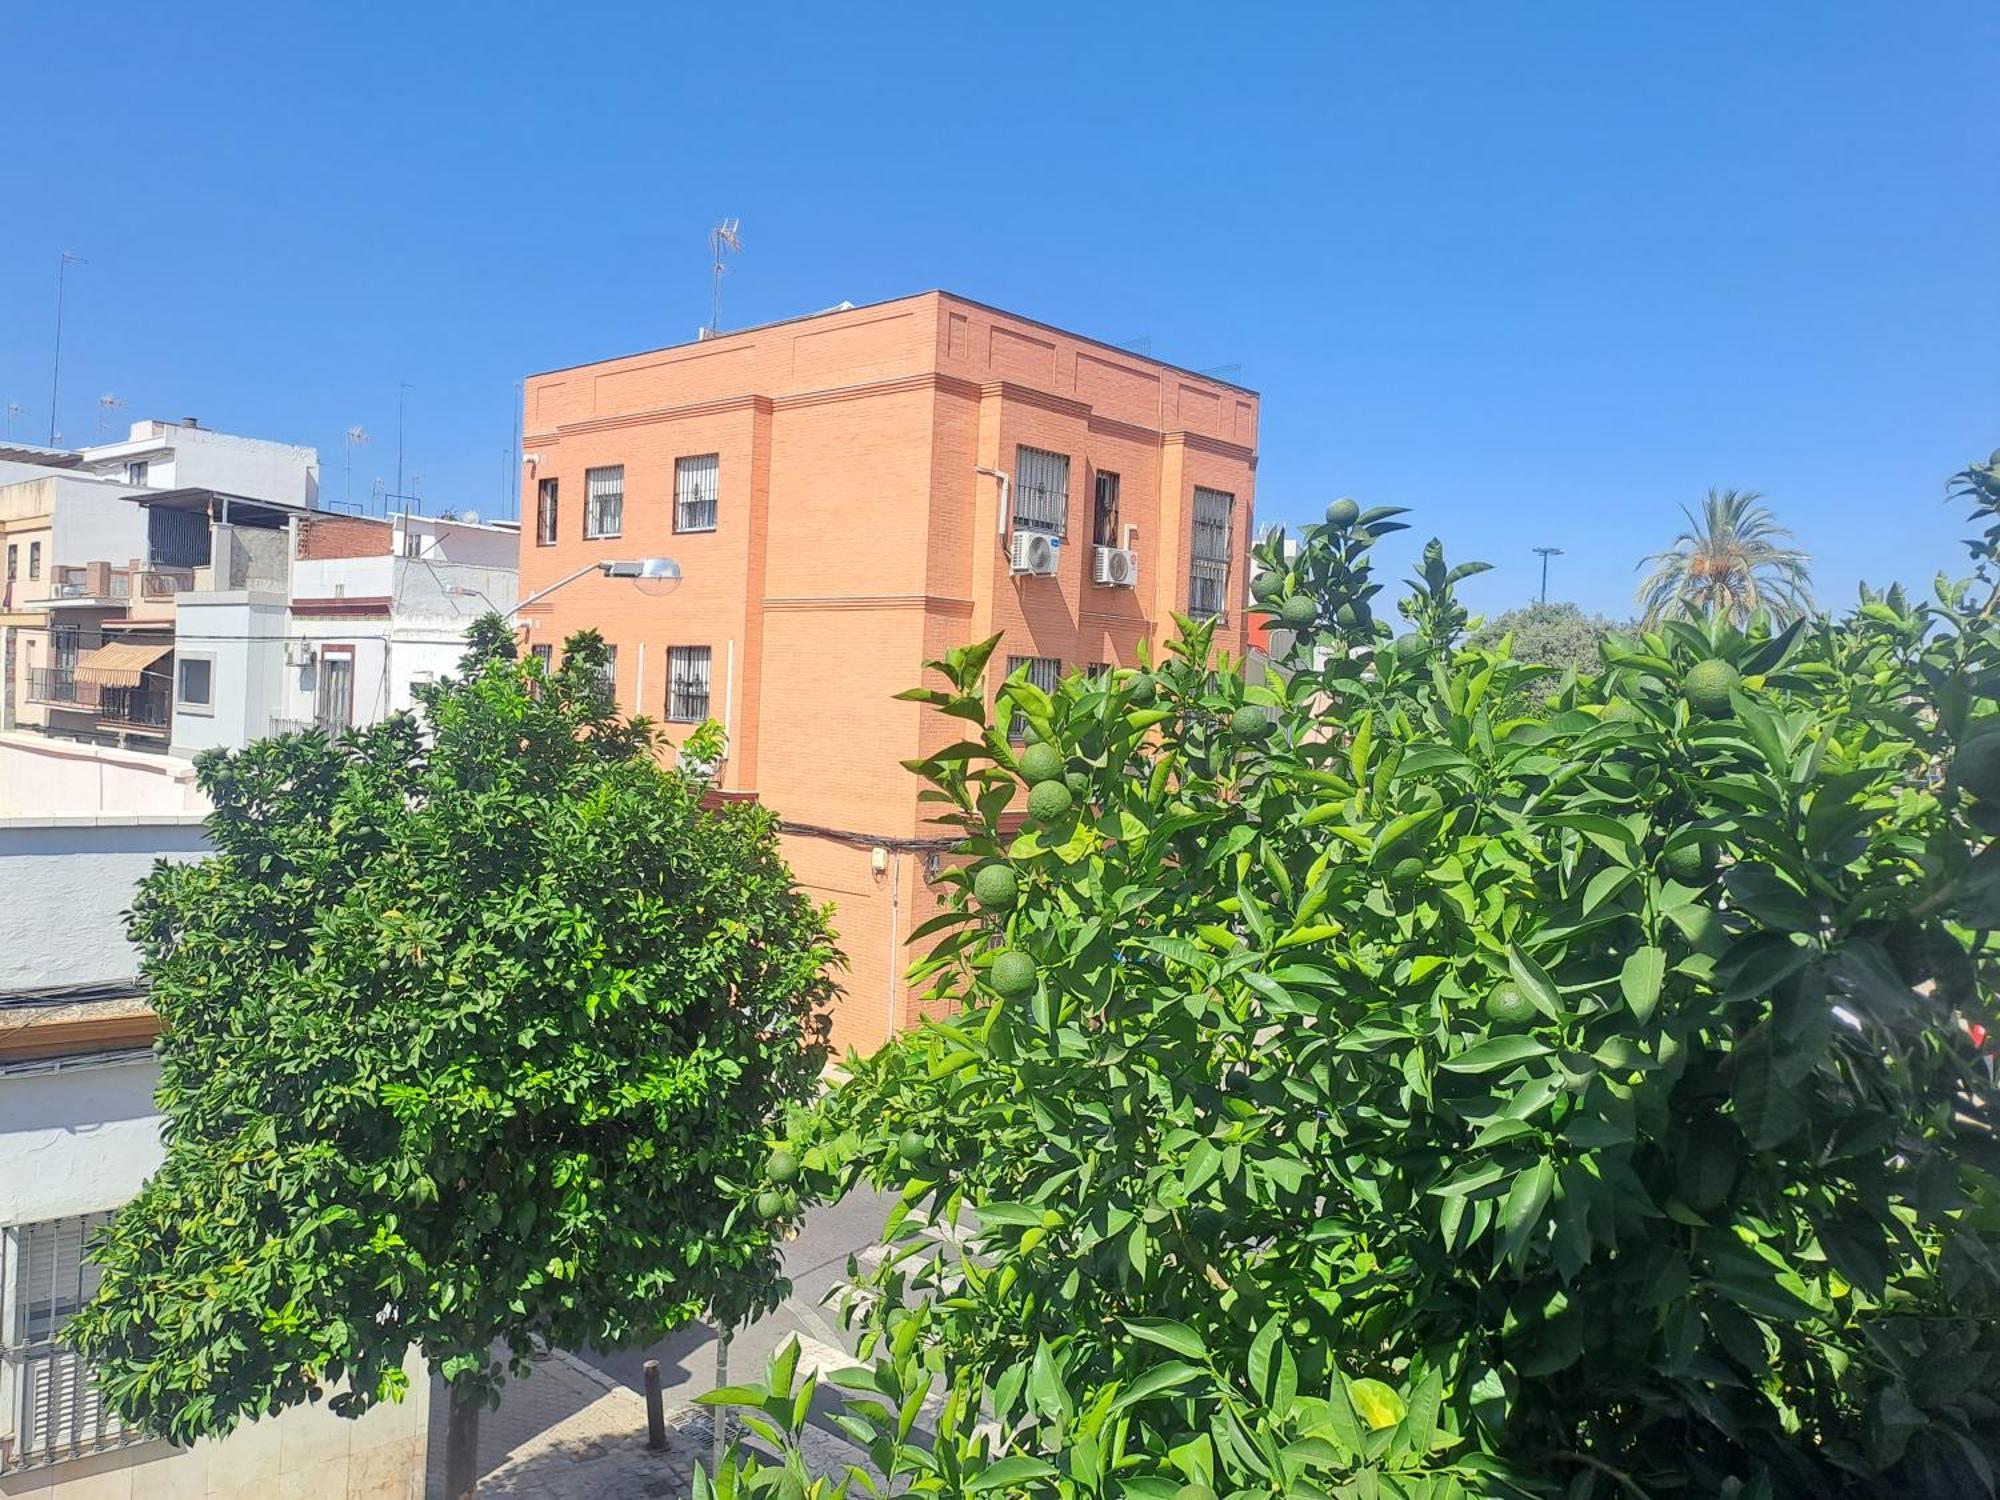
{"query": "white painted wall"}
{"type": "Point", "coordinates": [43, 778]}
{"type": "Point", "coordinates": [187, 457]}
{"type": "Point", "coordinates": [65, 885]}
{"type": "Point", "coordinates": [77, 1140]}
{"type": "Point", "coordinates": [243, 634]}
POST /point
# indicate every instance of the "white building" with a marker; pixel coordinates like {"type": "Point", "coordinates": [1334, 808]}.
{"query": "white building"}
{"type": "Point", "coordinates": [370, 610]}
{"type": "Point", "coordinates": [79, 825]}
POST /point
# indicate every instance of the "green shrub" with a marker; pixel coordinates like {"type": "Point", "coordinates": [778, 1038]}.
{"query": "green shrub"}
{"type": "Point", "coordinates": [1273, 1199]}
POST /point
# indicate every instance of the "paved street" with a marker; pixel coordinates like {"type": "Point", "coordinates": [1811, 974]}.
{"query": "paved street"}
{"type": "Point", "coordinates": [577, 1425]}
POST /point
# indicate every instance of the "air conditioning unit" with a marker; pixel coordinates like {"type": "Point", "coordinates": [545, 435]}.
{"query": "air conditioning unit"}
{"type": "Point", "coordinates": [300, 653]}
{"type": "Point", "coordinates": [1034, 552]}
{"type": "Point", "coordinates": [1118, 567]}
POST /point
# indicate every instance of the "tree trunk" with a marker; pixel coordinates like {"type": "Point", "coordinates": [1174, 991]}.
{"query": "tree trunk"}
{"type": "Point", "coordinates": [721, 1379]}
{"type": "Point", "coordinates": [461, 1447]}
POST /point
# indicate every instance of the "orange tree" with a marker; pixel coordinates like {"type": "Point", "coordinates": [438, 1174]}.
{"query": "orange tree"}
{"type": "Point", "coordinates": [472, 1034]}
{"type": "Point", "coordinates": [1366, 1086]}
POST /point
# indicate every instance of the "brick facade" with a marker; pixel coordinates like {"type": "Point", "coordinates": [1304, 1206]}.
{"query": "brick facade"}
{"type": "Point", "coordinates": [855, 539]}
{"type": "Point", "coordinates": [323, 536]}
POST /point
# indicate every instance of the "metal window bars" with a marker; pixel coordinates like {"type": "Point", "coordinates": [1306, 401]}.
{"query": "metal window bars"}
{"type": "Point", "coordinates": [1208, 565]}
{"type": "Point", "coordinates": [688, 674]}
{"type": "Point", "coordinates": [1041, 491]}
{"type": "Point", "coordinates": [50, 1409]}
{"type": "Point", "coordinates": [1044, 672]}
{"type": "Point", "coordinates": [697, 492]}
{"type": "Point", "coordinates": [604, 502]}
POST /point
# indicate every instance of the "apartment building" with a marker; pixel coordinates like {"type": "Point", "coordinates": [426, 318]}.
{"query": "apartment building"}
{"type": "Point", "coordinates": [848, 495]}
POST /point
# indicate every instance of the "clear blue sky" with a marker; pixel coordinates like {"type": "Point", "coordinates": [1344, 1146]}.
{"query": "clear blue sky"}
{"type": "Point", "coordinates": [1542, 272]}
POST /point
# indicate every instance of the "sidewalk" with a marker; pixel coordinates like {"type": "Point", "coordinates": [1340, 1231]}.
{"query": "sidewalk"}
{"type": "Point", "coordinates": [571, 1432]}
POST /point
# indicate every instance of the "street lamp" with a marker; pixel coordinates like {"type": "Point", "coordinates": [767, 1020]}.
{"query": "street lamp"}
{"type": "Point", "coordinates": [658, 570]}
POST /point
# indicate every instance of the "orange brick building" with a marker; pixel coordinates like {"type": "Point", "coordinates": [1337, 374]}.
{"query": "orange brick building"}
{"type": "Point", "coordinates": [849, 494]}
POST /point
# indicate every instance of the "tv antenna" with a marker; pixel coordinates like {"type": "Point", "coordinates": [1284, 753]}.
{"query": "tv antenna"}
{"type": "Point", "coordinates": [106, 405]}
{"type": "Point", "coordinates": [14, 409]}
{"type": "Point", "coordinates": [1545, 553]}
{"type": "Point", "coordinates": [356, 437]}
{"type": "Point", "coordinates": [725, 239]}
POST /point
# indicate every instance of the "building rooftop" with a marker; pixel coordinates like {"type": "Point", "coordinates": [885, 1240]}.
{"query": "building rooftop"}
{"type": "Point", "coordinates": [843, 308]}
{"type": "Point", "coordinates": [35, 453]}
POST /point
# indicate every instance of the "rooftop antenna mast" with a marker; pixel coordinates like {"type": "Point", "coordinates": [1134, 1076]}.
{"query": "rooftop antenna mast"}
{"type": "Point", "coordinates": [725, 239]}
{"type": "Point", "coordinates": [106, 405]}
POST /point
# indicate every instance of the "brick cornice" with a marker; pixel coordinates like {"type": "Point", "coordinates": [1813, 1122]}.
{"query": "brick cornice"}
{"type": "Point", "coordinates": [941, 603]}
{"type": "Point", "coordinates": [1181, 438]}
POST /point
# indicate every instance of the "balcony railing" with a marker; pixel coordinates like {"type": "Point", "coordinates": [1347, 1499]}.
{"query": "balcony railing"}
{"type": "Point", "coordinates": [55, 1409]}
{"type": "Point", "coordinates": [71, 582]}
{"type": "Point", "coordinates": [164, 583]}
{"type": "Point", "coordinates": [59, 685]}
{"type": "Point", "coordinates": [135, 708]}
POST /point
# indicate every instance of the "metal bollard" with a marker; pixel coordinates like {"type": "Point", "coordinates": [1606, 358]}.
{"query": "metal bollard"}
{"type": "Point", "coordinates": [656, 1416]}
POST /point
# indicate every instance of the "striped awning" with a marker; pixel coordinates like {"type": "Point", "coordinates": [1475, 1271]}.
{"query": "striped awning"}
{"type": "Point", "coordinates": [120, 663]}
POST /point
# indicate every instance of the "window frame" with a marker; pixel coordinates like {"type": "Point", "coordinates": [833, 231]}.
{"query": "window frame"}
{"type": "Point", "coordinates": [593, 525]}
{"type": "Point", "coordinates": [608, 675]}
{"type": "Point", "coordinates": [1105, 531]}
{"type": "Point", "coordinates": [139, 472]}
{"type": "Point", "coordinates": [1205, 568]}
{"type": "Point", "coordinates": [675, 656]}
{"type": "Point", "coordinates": [713, 499]}
{"type": "Point", "coordinates": [1056, 524]}
{"type": "Point", "coordinates": [327, 654]}
{"type": "Point", "coordinates": [34, 560]}
{"type": "Point", "coordinates": [548, 512]}
{"type": "Point", "coordinates": [545, 653]}
{"type": "Point", "coordinates": [182, 702]}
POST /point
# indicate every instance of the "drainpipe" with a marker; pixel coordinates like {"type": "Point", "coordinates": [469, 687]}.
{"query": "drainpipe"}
{"type": "Point", "coordinates": [895, 935]}
{"type": "Point", "coordinates": [1006, 495]}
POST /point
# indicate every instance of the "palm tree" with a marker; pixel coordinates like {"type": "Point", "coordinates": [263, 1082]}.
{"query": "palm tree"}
{"type": "Point", "coordinates": [1733, 559]}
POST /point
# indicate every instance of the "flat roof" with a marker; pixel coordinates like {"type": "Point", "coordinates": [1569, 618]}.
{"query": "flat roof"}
{"type": "Point", "coordinates": [35, 453]}
{"type": "Point", "coordinates": [199, 498]}
{"type": "Point", "coordinates": [834, 312]}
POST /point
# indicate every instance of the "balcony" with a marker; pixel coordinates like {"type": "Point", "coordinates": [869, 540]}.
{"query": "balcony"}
{"type": "Point", "coordinates": [156, 591]}
{"type": "Point", "coordinates": [58, 688]}
{"type": "Point", "coordinates": [135, 710]}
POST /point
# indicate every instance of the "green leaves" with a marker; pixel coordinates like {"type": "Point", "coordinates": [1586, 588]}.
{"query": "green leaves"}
{"type": "Point", "coordinates": [474, 1032]}
{"type": "Point", "coordinates": [1495, 1053]}
{"type": "Point", "coordinates": [1484, 1069]}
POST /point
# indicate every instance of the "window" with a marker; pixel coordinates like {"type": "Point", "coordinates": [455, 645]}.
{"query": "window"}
{"type": "Point", "coordinates": [136, 471]}
{"type": "Point", "coordinates": [34, 559]}
{"type": "Point", "coordinates": [53, 1411]}
{"type": "Point", "coordinates": [1208, 571]}
{"type": "Point", "coordinates": [197, 684]}
{"type": "Point", "coordinates": [333, 703]}
{"type": "Point", "coordinates": [1097, 670]}
{"type": "Point", "coordinates": [1045, 672]}
{"type": "Point", "coordinates": [413, 543]}
{"type": "Point", "coordinates": [609, 673]}
{"type": "Point", "coordinates": [546, 655]}
{"type": "Point", "coordinates": [13, 560]}
{"type": "Point", "coordinates": [1041, 491]}
{"type": "Point", "coordinates": [687, 684]}
{"type": "Point", "coordinates": [545, 513]}
{"type": "Point", "coordinates": [604, 502]}
{"type": "Point", "coordinates": [1104, 525]}
{"type": "Point", "coordinates": [697, 489]}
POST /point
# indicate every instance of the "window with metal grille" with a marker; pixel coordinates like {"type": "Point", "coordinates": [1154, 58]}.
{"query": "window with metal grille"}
{"type": "Point", "coordinates": [545, 513]}
{"type": "Point", "coordinates": [1208, 568]}
{"type": "Point", "coordinates": [1104, 525]}
{"type": "Point", "coordinates": [687, 684]}
{"type": "Point", "coordinates": [697, 487]}
{"type": "Point", "coordinates": [546, 655]}
{"type": "Point", "coordinates": [1097, 669]}
{"type": "Point", "coordinates": [1041, 491]}
{"type": "Point", "coordinates": [34, 559]}
{"type": "Point", "coordinates": [608, 673]}
{"type": "Point", "coordinates": [604, 502]}
{"type": "Point", "coordinates": [1045, 672]}
{"type": "Point", "coordinates": [49, 1406]}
